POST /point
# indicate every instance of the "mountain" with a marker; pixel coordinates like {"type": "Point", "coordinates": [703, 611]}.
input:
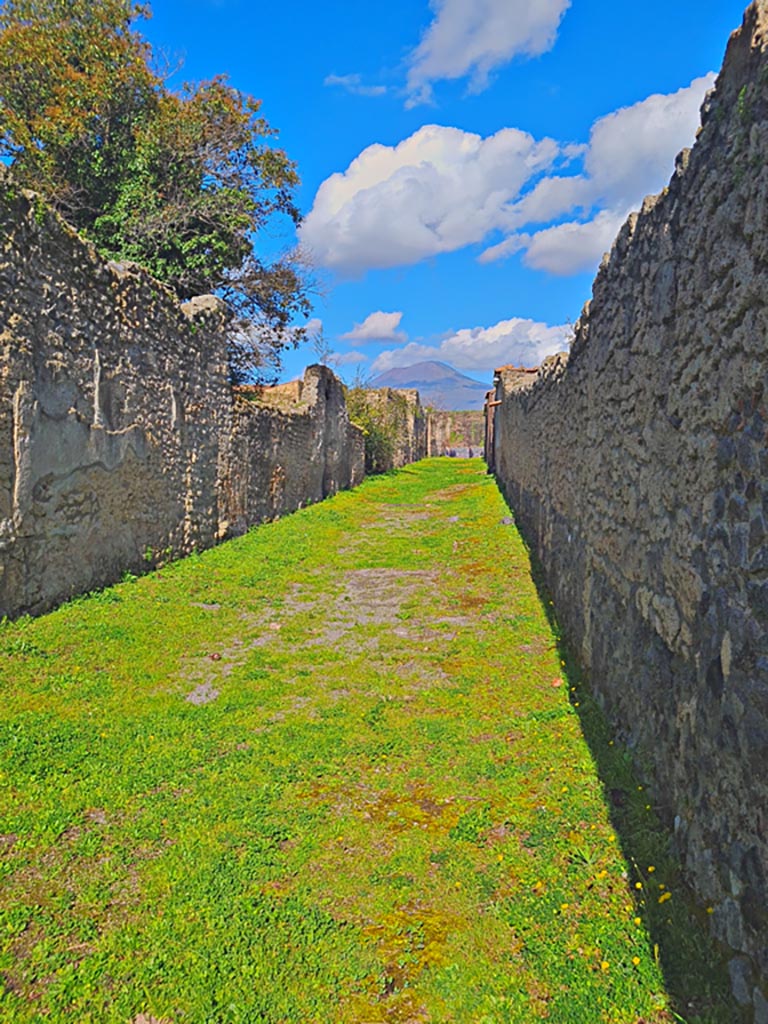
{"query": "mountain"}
{"type": "Point", "coordinates": [438, 385]}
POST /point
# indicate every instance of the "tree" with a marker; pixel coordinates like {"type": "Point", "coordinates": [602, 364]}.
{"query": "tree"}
{"type": "Point", "coordinates": [177, 182]}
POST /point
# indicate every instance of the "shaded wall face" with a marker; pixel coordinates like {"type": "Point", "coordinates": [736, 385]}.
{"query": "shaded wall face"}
{"type": "Point", "coordinates": [638, 471]}
{"type": "Point", "coordinates": [108, 391]}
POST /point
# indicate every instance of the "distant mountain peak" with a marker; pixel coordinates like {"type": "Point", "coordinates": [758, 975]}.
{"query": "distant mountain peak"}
{"type": "Point", "coordinates": [438, 384]}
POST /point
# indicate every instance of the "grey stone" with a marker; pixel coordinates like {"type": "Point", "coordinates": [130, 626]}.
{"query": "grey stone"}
{"type": "Point", "coordinates": [740, 972]}
{"type": "Point", "coordinates": [761, 1006]}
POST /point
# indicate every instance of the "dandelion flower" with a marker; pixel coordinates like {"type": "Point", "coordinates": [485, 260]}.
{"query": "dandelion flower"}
{"type": "Point", "coordinates": [664, 897]}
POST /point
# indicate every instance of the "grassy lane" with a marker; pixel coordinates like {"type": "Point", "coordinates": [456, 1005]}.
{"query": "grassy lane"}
{"type": "Point", "coordinates": [331, 772]}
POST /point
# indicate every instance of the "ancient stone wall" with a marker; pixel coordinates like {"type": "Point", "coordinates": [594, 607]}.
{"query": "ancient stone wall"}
{"type": "Point", "coordinates": [291, 445]}
{"type": "Point", "coordinates": [638, 471]}
{"type": "Point", "coordinates": [459, 432]}
{"type": "Point", "coordinates": [394, 425]}
{"type": "Point", "coordinates": [120, 444]}
{"type": "Point", "coordinates": [110, 393]}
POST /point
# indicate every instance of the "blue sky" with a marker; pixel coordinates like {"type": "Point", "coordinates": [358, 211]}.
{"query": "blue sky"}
{"type": "Point", "coordinates": [464, 163]}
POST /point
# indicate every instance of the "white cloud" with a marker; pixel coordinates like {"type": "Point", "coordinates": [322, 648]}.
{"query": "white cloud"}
{"type": "Point", "coordinates": [443, 189]}
{"type": "Point", "coordinates": [354, 84]}
{"type": "Point", "coordinates": [313, 326]}
{"type": "Point", "coordinates": [481, 349]}
{"type": "Point", "coordinates": [632, 151]}
{"type": "Point", "coordinates": [439, 190]}
{"type": "Point", "coordinates": [472, 37]}
{"type": "Point", "coordinates": [377, 327]}
{"type": "Point", "coordinates": [348, 358]}
{"type": "Point", "coordinates": [630, 155]}
{"type": "Point", "coordinates": [575, 246]}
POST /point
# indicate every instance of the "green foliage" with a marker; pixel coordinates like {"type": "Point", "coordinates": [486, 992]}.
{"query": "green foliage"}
{"type": "Point", "coordinates": [177, 182]}
{"type": "Point", "coordinates": [382, 423]}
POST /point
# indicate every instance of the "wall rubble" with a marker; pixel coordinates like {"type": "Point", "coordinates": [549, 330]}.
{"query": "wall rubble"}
{"type": "Point", "coordinates": [638, 470]}
{"type": "Point", "coordinates": [120, 442]}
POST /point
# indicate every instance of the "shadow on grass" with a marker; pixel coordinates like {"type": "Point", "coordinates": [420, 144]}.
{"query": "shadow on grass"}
{"type": "Point", "coordinates": [693, 964]}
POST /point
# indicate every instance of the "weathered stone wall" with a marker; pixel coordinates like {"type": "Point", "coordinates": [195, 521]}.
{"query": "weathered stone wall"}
{"type": "Point", "coordinates": [113, 400]}
{"type": "Point", "coordinates": [394, 424]}
{"type": "Point", "coordinates": [291, 445]}
{"type": "Point", "coordinates": [461, 432]}
{"type": "Point", "coordinates": [638, 470]}
{"type": "Point", "coordinates": [120, 443]}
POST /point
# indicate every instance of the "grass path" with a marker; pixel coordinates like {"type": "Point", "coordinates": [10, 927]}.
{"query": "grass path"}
{"type": "Point", "coordinates": [333, 772]}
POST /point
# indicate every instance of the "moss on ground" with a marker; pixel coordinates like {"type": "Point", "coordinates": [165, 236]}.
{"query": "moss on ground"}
{"type": "Point", "coordinates": [333, 771]}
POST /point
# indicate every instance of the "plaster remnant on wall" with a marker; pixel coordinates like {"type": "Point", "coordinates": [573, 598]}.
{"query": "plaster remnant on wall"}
{"type": "Point", "coordinates": [121, 442]}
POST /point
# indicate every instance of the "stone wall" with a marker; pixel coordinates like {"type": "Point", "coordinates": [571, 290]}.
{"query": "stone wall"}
{"type": "Point", "coordinates": [109, 393]}
{"type": "Point", "coordinates": [291, 445]}
{"type": "Point", "coordinates": [120, 444]}
{"type": "Point", "coordinates": [394, 424]}
{"type": "Point", "coordinates": [460, 432]}
{"type": "Point", "coordinates": [638, 471]}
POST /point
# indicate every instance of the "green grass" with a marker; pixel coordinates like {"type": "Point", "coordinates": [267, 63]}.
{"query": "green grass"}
{"type": "Point", "coordinates": [384, 808]}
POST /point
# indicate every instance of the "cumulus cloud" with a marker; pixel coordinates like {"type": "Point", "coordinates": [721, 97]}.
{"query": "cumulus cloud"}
{"type": "Point", "coordinates": [355, 85]}
{"type": "Point", "coordinates": [630, 154]}
{"type": "Point", "coordinates": [575, 246]}
{"type": "Point", "coordinates": [473, 38]}
{"type": "Point", "coordinates": [377, 327]}
{"type": "Point", "coordinates": [348, 358]}
{"type": "Point", "coordinates": [481, 349]}
{"type": "Point", "coordinates": [439, 190]}
{"type": "Point", "coordinates": [631, 151]}
{"type": "Point", "coordinates": [443, 189]}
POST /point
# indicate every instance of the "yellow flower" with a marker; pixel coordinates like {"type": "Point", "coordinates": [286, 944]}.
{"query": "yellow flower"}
{"type": "Point", "coordinates": [664, 897]}
{"type": "Point", "coordinates": [638, 885]}
{"type": "Point", "coordinates": [611, 839]}
{"type": "Point", "coordinates": [564, 906]}
{"type": "Point", "coordinates": [604, 965]}
{"type": "Point", "coordinates": [651, 869]}
{"type": "Point", "coordinates": [638, 920]}
{"type": "Point", "coordinates": [635, 960]}
{"type": "Point", "coordinates": [710, 910]}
